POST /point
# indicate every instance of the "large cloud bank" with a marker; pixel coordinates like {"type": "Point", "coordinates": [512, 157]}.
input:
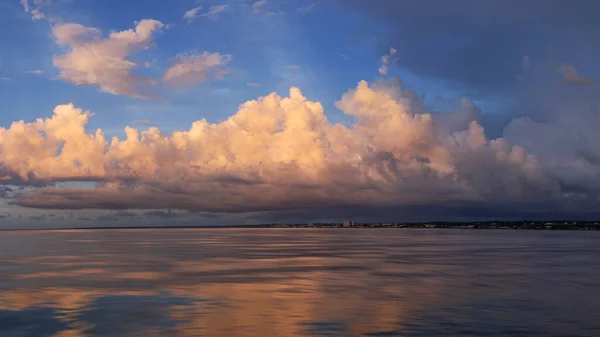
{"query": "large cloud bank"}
{"type": "Point", "coordinates": [281, 153]}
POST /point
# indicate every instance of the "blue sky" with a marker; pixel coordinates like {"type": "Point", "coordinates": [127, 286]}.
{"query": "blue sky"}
{"type": "Point", "coordinates": [322, 44]}
{"type": "Point", "coordinates": [511, 59]}
{"type": "Point", "coordinates": [262, 49]}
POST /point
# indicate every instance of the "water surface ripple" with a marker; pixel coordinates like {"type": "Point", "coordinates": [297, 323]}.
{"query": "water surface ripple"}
{"type": "Point", "coordinates": [299, 282]}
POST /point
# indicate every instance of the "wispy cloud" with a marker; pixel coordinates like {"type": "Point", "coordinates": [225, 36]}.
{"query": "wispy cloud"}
{"type": "Point", "coordinates": [35, 8]}
{"type": "Point", "coordinates": [214, 11]}
{"type": "Point", "coordinates": [570, 75]}
{"type": "Point", "coordinates": [191, 14]}
{"type": "Point", "coordinates": [306, 9]}
{"type": "Point", "coordinates": [196, 68]}
{"type": "Point", "coordinates": [254, 84]}
{"type": "Point", "coordinates": [385, 59]}
{"type": "Point", "coordinates": [293, 66]}
{"type": "Point", "coordinates": [525, 67]}
{"type": "Point", "coordinates": [526, 63]}
{"type": "Point", "coordinates": [36, 72]}
{"type": "Point", "coordinates": [259, 8]}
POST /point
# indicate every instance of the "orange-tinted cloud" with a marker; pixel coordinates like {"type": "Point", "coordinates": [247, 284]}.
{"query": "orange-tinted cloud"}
{"type": "Point", "coordinates": [279, 153]}
{"type": "Point", "coordinates": [196, 68]}
{"type": "Point", "coordinates": [104, 62]}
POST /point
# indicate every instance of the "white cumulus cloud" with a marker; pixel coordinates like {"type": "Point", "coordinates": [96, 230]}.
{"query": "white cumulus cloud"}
{"type": "Point", "coordinates": [282, 153]}
{"type": "Point", "coordinates": [104, 61]}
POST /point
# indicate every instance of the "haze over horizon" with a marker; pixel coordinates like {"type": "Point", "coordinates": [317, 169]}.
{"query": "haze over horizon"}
{"type": "Point", "coordinates": [234, 112]}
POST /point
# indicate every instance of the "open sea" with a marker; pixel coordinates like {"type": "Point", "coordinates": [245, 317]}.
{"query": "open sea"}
{"type": "Point", "coordinates": [299, 282]}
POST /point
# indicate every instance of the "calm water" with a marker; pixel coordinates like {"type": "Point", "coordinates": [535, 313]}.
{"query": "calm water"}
{"type": "Point", "coordinates": [299, 282]}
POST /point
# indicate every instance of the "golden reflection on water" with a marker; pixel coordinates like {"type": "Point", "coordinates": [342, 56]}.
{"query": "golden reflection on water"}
{"type": "Point", "coordinates": [271, 308]}
{"type": "Point", "coordinates": [276, 283]}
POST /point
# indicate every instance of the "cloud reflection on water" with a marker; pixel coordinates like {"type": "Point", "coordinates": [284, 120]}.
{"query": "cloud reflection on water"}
{"type": "Point", "coordinates": [298, 283]}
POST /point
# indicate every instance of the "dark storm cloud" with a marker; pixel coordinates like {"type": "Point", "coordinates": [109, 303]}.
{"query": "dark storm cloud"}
{"type": "Point", "coordinates": [482, 44]}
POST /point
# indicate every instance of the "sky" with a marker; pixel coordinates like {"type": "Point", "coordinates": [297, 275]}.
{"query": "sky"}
{"type": "Point", "coordinates": [235, 112]}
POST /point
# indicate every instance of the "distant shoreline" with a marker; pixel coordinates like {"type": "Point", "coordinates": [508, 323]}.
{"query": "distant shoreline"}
{"type": "Point", "coordinates": [515, 225]}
